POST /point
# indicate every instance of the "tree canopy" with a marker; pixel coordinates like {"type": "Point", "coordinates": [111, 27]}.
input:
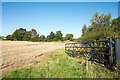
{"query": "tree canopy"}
{"type": "Point", "coordinates": [101, 28]}
{"type": "Point", "coordinates": [42, 37]}
{"type": "Point", "coordinates": [23, 35]}
{"type": "Point", "coordinates": [58, 35]}
{"type": "Point", "coordinates": [52, 35]}
{"type": "Point", "coordinates": [19, 34]}
{"type": "Point", "coordinates": [69, 37]}
{"type": "Point", "coordinates": [34, 33]}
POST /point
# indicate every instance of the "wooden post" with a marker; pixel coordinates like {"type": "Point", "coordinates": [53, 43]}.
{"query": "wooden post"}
{"type": "Point", "coordinates": [117, 50]}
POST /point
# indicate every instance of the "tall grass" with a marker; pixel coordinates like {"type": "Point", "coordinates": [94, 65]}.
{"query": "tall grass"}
{"type": "Point", "coordinates": [59, 65]}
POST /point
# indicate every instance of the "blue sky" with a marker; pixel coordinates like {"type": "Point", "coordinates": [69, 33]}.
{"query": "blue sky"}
{"type": "Point", "coordinates": [69, 17]}
{"type": "Point", "coordinates": [60, 0]}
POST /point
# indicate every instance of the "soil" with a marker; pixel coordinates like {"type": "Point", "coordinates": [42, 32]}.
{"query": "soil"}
{"type": "Point", "coordinates": [19, 54]}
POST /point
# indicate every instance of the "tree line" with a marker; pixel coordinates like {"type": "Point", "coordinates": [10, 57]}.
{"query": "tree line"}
{"type": "Point", "coordinates": [24, 35]}
{"type": "Point", "coordinates": [101, 28]}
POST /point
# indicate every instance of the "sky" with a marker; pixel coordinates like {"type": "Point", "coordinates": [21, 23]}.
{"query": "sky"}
{"type": "Point", "coordinates": [60, 0]}
{"type": "Point", "coordinates": [69, 17]}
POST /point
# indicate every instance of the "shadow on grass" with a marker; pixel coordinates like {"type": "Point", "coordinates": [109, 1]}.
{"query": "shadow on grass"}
{"type": "Point", "coordinates": [106, 65]}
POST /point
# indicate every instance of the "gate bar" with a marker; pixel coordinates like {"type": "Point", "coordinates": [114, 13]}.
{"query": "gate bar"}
{"type": "Point", "coordinates": [89, 42]}
{"type": "Point", "coordinates": [111, 51]}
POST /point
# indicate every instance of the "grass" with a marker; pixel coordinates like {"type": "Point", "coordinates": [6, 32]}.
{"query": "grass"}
{"type": "Point", "coordinates": [60, 65]}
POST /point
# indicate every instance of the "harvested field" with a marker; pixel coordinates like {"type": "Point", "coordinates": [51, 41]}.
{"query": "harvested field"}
{"type": "Point", "coordinates": [18, 54]}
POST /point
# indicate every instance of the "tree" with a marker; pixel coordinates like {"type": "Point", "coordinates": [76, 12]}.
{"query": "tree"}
{"type": "Point", "coordinates": [52, 35]}
{"type": "Point", "coordinates": [100, 28]}
{"type": "Point", "coordinates": [47, 38]}
{"type": "Point", "coordinates": [84, 30]}
{"type": "Point", "coordinates": [42, 37]}
{"type": "Point", "coordinates": [116, 27]}
{"type": "Point", "coordinates": [9, 37]}
{"type": "Point", "coordinates": [63, 39]}
{"type": "Point", "coordinates": [58, 35]}
{"type": "Point", "coordinates": [19, 34]}
{"type": "Point", "coordinates": [69, 37]}
{"type": "Point", "coordinates": [27, 36]}
{"type": "Point", "coordinates": [34, 33]}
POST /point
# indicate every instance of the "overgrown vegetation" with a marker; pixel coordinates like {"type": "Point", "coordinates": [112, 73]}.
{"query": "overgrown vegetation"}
{"type": "Point", "coordinates": [101, 28]}
{"type": "Point", "coordinates": [59, 65]}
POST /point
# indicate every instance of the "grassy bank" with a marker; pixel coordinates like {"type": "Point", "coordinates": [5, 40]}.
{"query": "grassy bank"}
{"type": "Point", "coordinates": [59, 65]}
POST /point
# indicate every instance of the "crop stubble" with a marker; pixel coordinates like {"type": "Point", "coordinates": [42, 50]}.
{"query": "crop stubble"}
{"type": "Point", "coordinates": [18, 54]}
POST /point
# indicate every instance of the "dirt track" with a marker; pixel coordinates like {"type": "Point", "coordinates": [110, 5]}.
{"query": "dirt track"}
{"type": "Point", "coordinates": [17, 54]}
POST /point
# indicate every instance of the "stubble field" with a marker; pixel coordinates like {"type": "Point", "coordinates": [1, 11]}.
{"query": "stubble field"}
{"type": "Point", "coordinates": [19, 54]}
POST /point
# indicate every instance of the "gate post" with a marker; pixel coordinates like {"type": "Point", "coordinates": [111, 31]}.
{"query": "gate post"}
{"type": "Point", "coordinates": [65, 47]}
{"type": "Point", "coordinates": [117, 50]}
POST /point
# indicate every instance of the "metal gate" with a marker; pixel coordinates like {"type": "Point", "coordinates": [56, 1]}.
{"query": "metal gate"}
{"type": "Point", "coordinates": [95, 50]}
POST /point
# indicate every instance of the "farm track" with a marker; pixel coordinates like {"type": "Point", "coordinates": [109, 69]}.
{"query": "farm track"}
{"type": "Point", "coordinates": [18, 54]}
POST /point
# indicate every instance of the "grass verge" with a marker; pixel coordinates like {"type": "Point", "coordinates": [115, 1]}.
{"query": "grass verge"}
{"type": "Point", "coordinates": [59, 65]}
